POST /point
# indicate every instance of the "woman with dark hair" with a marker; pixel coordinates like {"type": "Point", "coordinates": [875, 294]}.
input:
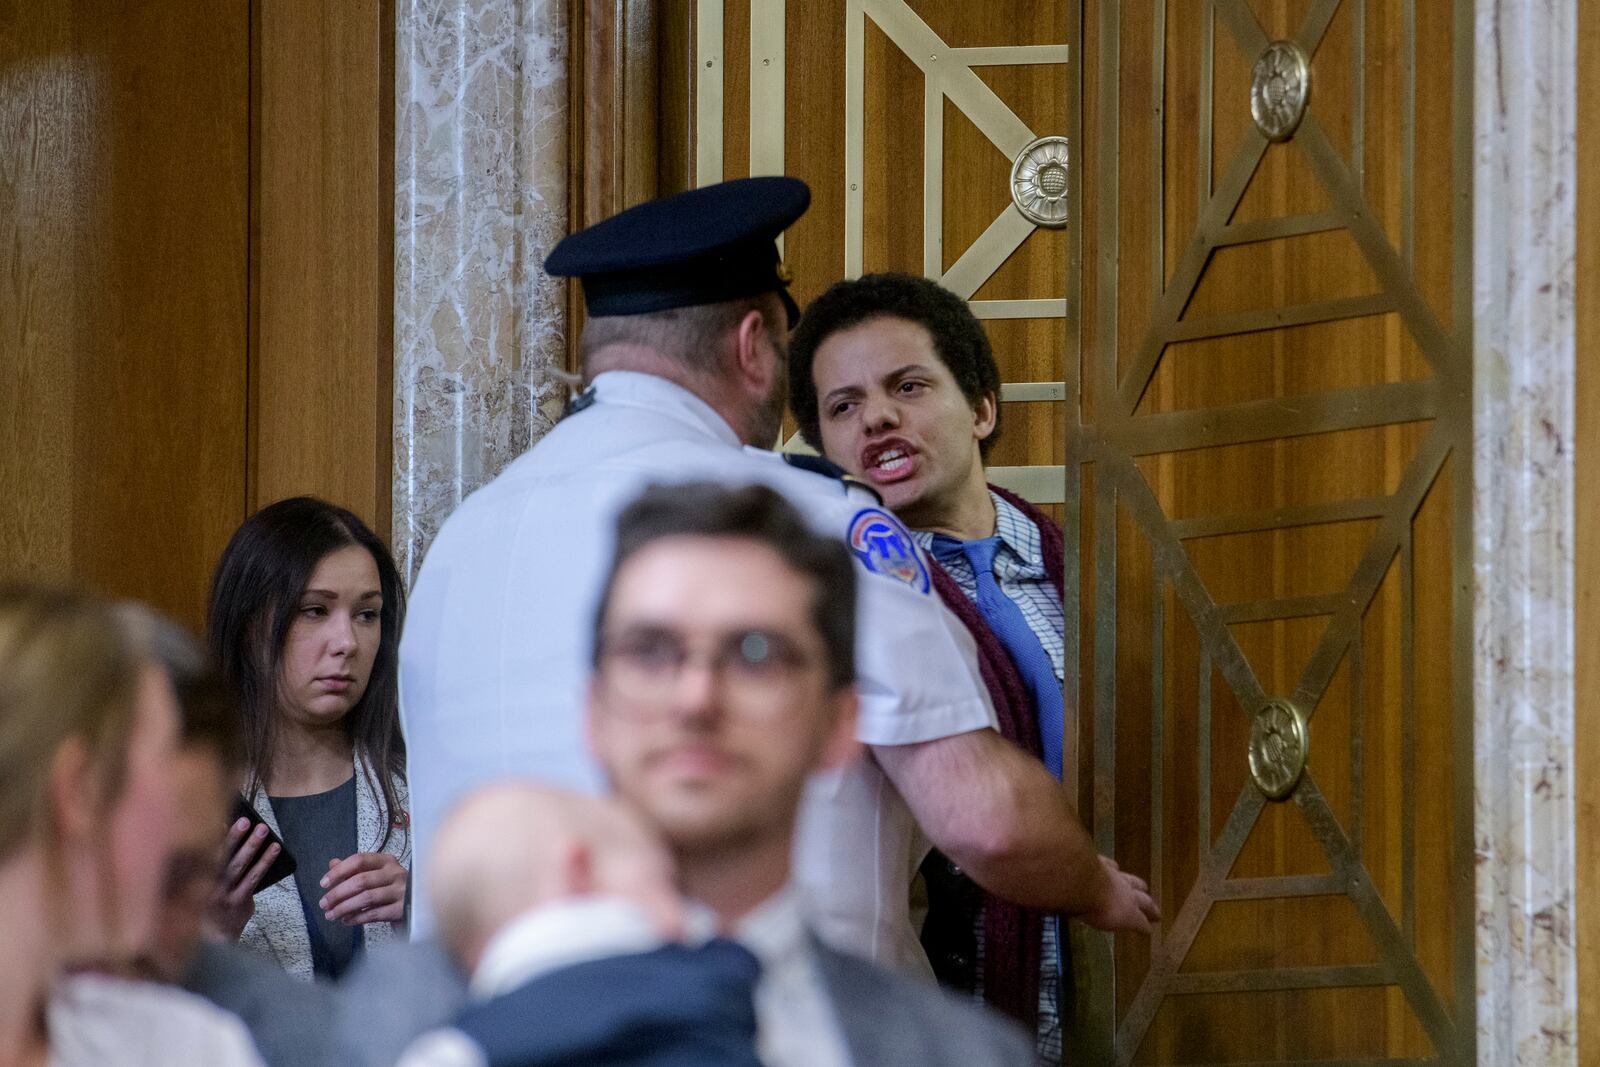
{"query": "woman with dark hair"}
{"type": "Point", "coordinates": [304, 619]}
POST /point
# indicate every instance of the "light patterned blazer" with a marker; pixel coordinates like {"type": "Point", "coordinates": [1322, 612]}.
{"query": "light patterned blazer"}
{"type": "Point", "coordinates": [278, 928]}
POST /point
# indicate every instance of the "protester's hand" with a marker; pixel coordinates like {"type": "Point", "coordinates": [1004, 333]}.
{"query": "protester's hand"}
{"type": "Point", "coordinates": [1126, 906]}
{"type": "Point", "coordinates": [368, 887]}
{"type": "Point", "coordinates": [233, 901]}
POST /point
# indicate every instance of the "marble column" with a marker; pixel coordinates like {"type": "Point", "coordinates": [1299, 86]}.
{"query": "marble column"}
{"type": "Point", "coordinates": [1525, 347]}
{"type": "Point", "coordinates": [480, 197]}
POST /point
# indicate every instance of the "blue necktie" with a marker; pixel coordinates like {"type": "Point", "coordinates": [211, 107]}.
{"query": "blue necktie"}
{"type": "Point", "coordinates": [1010, 625]}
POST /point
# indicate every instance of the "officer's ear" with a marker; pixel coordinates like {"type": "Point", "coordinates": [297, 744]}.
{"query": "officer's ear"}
{"type": "Point", "coordinates": [752, 340]}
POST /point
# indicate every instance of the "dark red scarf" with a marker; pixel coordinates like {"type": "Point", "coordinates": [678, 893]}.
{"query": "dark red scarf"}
{"type": "Point", "coordinates": [1011, 934]}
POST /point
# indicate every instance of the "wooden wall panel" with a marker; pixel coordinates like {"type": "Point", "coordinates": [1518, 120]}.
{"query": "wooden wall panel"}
{"type": "Point", "coordinates": [196, 219]}
{"type": "Point", "coordinates": [125, 293]}
{"type": "Point", "coordinates": [1243, 538]}
{"type": "Point", "coordinates": [1586, 459]}
{"type": "Point", "coordinates": [45, 99]}
{"type": "Point", "coordinates": [322, 411]}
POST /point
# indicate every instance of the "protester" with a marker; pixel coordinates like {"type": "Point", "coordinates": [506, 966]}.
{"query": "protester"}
{"type": "Point", "coordinates": [304, 618]}
{"type": "Point", "coordinates": [684, 349]}
{"type": "Point", "coordinates": [893, 378]}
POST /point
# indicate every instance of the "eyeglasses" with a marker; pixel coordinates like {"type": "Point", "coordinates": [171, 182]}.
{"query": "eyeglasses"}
{"type": "Point", "coordinates": [758, 670]}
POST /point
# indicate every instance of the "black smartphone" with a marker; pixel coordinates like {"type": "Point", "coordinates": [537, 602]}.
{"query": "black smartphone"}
{"type": "Point", "coordinates": [283, 866]}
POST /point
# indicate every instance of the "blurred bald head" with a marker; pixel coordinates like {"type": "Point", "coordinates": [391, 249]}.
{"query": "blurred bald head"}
{"type": "Point", "coordinates": [512, 847]}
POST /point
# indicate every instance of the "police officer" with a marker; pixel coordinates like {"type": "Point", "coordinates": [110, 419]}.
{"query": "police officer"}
{"type": "Point", "coordinates": [685, 353]}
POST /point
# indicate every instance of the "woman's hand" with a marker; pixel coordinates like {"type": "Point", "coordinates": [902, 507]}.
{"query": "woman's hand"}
{"type": "Point", "coordinates": [368, 887]}
{"type": "Point", "coordinates": [233, 901]}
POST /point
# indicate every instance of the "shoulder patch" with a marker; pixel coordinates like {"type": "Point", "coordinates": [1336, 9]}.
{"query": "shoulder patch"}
{"type": "Point", "coordinates": [884, 546]}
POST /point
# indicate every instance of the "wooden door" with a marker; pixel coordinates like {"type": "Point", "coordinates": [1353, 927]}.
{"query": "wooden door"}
{"type": "Point", "coordinates": [196, 219]}
{"type": "Point", "coordinates": [906, 118]}
{"type": "Point", "coordinates": [124, 235]}
{"type": "Point", "coordinates": [1272, 507]}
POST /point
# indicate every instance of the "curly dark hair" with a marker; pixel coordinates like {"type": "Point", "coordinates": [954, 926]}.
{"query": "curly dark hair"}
{"type": "Point", "coordinates": [958, 338]}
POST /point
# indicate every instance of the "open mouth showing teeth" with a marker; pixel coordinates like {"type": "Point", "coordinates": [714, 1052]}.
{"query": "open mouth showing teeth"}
{"type": "Point", "coordinates": [893, 460]}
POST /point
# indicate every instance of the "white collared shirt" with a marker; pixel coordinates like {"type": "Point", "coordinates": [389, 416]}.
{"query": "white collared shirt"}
{"type": "Point", "coordinates": [495, 656]}
{"type": "Point", "coordinates": [796, 1025]}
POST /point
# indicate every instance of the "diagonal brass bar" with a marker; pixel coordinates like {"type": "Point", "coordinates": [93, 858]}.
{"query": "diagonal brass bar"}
{"type": "Point", "coordinates": [981, 104]}
{"type": "Point", "coordinates": [1244, 233]}
{"type": "Point", "coordinates": [1271, 608]}
{"type": "Point", "coordinates": [1437, 346]}
{"type": "Point", "coordinates": [1180, 937]}
{"type": "Point", "coordinates": [1315, 27]}
{"type": "Point", "coordinates": [1264, 420]}
{"type": "Point", "coordinates": [1391, 533]}
{"type": "Point", "coordinates": [1371, 507]}
{"type": "Point", "coordinates": [1169, 307]}
{"type": "Point", "coordinates": [1408, 973]}
{"type": "Point", "coordinates": [1352, 307]}
{"type": "Point", "coordinates": [1245, 27]}
{"type": "Point", "coordinates": [1279, 887]}
{"type": "Point", "coordinates": [1192, 982]}
{"type": "Point", "coordinates": [1171, 560]}
{"type": "Point", "coordinates": [985, 255]}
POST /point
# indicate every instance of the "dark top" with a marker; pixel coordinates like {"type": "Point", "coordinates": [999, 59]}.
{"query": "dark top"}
{"type": "Point", "coordinates": [290, 1021]}
{"type": "Point", "coordinates": [674, 1007]}
{"type": "Point", "coordinates": [316, 829]}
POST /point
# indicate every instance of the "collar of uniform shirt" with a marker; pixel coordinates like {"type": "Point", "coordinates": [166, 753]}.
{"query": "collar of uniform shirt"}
{"type": "Point", "coordinates": [662, 397]}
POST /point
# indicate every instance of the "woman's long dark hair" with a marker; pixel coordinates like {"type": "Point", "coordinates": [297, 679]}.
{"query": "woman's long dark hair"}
{"type": "Point", "coordinates": [254, 594]}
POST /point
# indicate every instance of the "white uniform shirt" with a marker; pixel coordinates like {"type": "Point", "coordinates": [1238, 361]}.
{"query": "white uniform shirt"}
{"type": "Point", "coordinates": [497, 646]}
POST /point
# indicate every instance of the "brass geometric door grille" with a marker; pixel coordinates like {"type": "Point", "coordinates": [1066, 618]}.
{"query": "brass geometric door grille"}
{"type": "Point", "coordinates": [949, 73]}
{"type": "Point", "coordinates": [1119, 436]}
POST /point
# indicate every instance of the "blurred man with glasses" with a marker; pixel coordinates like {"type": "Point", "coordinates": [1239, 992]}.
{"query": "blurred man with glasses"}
{"type": "Point", "coordinates": [724, 675]}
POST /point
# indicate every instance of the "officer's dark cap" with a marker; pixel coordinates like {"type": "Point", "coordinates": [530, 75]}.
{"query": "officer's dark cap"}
{"type": "Point", "coordinates": [704, 246]}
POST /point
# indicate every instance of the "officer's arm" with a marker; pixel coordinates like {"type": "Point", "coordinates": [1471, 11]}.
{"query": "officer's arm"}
{"type": "Point", "coordinates": [1003, 818]}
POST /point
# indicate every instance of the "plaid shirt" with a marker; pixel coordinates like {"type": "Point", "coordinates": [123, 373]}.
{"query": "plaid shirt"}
{"type": "Point", "coordinates": [1020, 573]}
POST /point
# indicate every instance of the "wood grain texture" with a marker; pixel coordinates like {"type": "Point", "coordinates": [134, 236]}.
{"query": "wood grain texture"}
{"type": "Point", "coordinates": [1385, 719]}
{"type": "Point", "coordinates": [975, 174]}
{"type": "Point", "coordinates": [124, 294]}
{"type": "Point", "coordinates": [46, 103]}
{"type": "Point", "coordinates": [323, 253]}
{"type": "Point", "coordinates": [621, 91]}
{"type": "Point", "coordinates": [1586, 460]}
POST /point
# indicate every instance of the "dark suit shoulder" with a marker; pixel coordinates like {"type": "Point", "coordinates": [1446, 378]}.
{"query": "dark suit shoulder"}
{"type": "Point", "coordinates": [893, 1018]}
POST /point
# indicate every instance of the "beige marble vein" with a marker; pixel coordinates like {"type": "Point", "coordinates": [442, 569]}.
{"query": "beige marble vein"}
{"type": "Point", "coordinates": [480, 197]}
{"type": "Point", "coordinates": [1524, 343]}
